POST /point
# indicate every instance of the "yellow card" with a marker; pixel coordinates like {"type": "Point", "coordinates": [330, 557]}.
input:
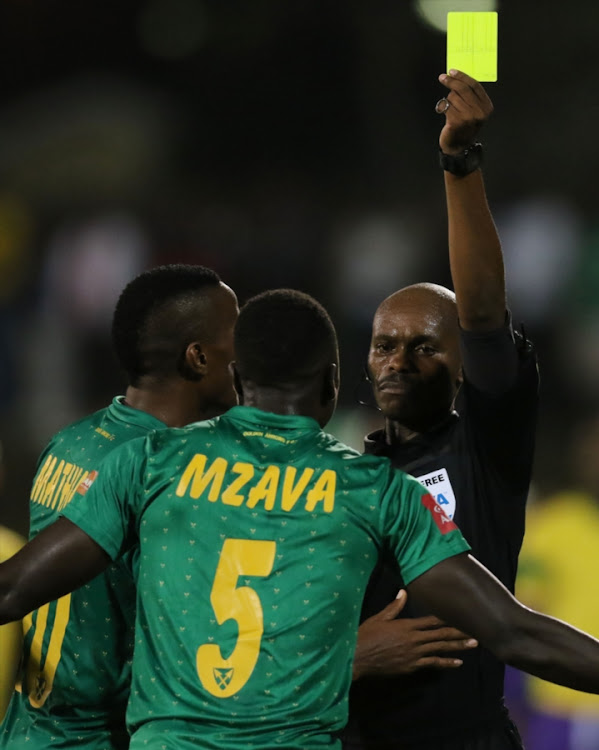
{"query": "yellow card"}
{"type": "Point", "coordinates": [472, 44]}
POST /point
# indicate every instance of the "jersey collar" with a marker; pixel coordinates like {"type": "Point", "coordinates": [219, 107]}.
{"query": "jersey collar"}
{"type": "Point", "coordinates": [253, 416]}
{"type": "Point", "coordinates": [122, 412]}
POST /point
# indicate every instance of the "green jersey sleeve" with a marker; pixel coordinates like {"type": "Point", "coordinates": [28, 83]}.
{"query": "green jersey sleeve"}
{"type": "Point", "coordinates": [416, 528]}
{"type": "Point", "coordinates": [107, 512]}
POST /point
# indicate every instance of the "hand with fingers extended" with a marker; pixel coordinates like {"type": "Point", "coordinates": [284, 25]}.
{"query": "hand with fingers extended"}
{"type": "Point", "coordinates": [466, 108]}
{"type": "Point", "coordinates": [387, 646]}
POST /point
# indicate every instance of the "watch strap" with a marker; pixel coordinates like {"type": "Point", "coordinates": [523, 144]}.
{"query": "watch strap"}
{"type": "Point", "coordinates": [463, 163]}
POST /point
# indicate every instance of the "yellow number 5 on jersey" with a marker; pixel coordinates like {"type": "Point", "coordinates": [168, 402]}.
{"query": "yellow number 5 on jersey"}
{"type": "Point", "coordinates": [238, 557]}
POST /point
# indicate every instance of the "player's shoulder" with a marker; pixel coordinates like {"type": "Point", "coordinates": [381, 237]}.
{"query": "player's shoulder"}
{"type": "Point", "coordinates": [336, 449]}
{"type": "Point", "coordinates": [353, 459]}
{"type": "Point", "coordinates": [79, 425]}
{"type": "Point", "coordinates": [73, 433]}
{"type": "Point", "coordinates": [169, 436]}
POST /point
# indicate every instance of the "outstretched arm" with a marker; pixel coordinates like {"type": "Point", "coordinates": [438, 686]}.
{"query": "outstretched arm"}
{"type": "Point", "coordinates": [465, 593]}
{"type": "Point", "coordinates": [474, 249]}
{"type": "Point", "coordinates": [61, 558]}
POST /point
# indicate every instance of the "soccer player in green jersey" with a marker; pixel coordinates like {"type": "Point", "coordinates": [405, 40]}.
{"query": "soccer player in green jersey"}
{"type": "Point", "coordinates": [173, 334]}
{"type": "Point", "coordinates": [257, 533]}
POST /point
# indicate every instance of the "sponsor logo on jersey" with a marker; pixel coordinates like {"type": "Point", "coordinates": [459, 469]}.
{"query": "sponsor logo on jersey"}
{"type": "Point", "coordinates": [438, 484]}
{"type": "Point", "coordinates": [444, 523]}
{"type": "Point", "coordinates": [87, 482]}
{"type": "Point", "coordinates": [107, 435]}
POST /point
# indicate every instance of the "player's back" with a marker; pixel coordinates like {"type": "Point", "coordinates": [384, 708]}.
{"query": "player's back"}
{"type": "Point", "coordinates": [78, 649]}
{"type": "Point", "coordinates": [258, 534]}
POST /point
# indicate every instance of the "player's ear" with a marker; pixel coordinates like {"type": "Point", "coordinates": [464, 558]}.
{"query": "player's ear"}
{"type": "Point", "coordinates": [330, 383]}
{"type": "Point", "coordinates": [194, 363]}
{"type": "Point", "coordinates": [236, 381]}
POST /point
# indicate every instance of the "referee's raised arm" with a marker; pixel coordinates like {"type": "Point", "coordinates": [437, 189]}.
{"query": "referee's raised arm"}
{"type": "Point", "coordinates": [475, 256]}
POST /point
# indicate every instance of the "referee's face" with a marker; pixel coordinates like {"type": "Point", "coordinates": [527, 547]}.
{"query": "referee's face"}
{"type": "Point", "coordinates": [414, 359]}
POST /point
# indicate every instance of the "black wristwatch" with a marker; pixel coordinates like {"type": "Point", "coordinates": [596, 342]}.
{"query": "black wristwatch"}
{"type": "Point", "coordinates": [462, 164]}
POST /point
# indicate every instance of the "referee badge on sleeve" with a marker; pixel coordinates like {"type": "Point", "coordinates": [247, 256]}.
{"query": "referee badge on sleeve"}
{"type": "Point", "coordinates": [439, 485]}
{"type": "Point", "coordinates": [444, 524]}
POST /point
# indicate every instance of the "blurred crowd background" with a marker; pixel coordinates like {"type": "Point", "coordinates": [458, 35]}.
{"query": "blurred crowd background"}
{"type": "Point", "coordinates": [295, 144]}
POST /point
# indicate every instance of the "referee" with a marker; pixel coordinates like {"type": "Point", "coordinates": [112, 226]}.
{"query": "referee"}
{"type": "Point", "coordinates": [458, 390]}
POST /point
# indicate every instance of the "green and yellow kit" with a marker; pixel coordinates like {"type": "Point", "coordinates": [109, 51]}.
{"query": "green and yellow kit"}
{"type": "Point", "coordinates": [77, 650]}
{"type": "Point", "coordinates": [257, 534]}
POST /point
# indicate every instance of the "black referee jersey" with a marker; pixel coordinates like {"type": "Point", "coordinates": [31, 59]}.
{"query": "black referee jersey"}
{"type": "Point", "coordinates": [478, 465]}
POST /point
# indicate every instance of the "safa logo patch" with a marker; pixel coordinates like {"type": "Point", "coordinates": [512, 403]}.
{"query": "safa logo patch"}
{"type": "Point", "coordinates": [222, 677]}
{"type": "Point", "coordinates": [444, 524]}
{"type": "Point", "coordinates": [438, 484]}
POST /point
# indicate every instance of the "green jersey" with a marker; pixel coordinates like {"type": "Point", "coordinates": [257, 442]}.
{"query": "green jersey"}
{"type": "Point", "coordinates": [78, 649]}
{"type": "Point", "coordinates": [257, 536]}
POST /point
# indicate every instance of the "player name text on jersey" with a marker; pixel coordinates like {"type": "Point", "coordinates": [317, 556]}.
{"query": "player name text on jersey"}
{"type": "Point", "coordinates": [56, 484]}
{"type": "Point", "coordinates": [252, 485]}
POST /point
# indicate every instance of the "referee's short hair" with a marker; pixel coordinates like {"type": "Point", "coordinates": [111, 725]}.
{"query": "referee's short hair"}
{"type": "Point", "coordinates": [282, 337]}
{"type": "Point", "coordinates": [158, 315]}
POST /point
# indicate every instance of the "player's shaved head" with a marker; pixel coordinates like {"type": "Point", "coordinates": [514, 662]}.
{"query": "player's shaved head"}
{"type": "Point", "coordinates": [160, 312]}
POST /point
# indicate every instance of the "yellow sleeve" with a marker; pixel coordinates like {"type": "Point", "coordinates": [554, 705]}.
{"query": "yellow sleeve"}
{"type": "Point", "coordinates": [11, 635]}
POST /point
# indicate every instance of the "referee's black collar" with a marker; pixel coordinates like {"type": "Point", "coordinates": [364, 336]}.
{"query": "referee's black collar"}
{"type": "Point", "coordinates": [376, 444]}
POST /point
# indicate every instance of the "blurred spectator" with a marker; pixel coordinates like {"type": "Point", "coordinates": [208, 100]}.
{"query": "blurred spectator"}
{"type": "Point", "coordinates": [87, 265]}
{"type": "Point", "coordinates": [11, 635]}
{"type": "Point", "coordinates": [557, 574]}
{"type": "Point", "coordinates": [541, 236]}
{"type": "Point", "coordinates": [16, 271]}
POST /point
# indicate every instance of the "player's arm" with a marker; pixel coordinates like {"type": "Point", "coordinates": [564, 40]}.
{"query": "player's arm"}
{"type": "Point", "coordinates": [463, 592]}
{"type": "Point", "coordinates": [61, 558]}
{"type": "Point", "coordinates": [97, 526]}
{"type": "Point", "coordinates": [475, 255]}
{"type": "Point", "coordinates": [387, 646]}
